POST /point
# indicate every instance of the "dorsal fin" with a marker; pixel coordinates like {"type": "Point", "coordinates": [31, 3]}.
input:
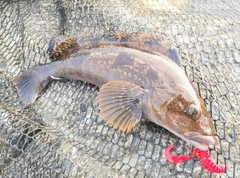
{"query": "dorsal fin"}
{"type": "Point", "coordinates": [142, 41]}
{"type": "Point", "coordinates": [66, 49]}
{"type": "Point", "coordinates": [150, 43]}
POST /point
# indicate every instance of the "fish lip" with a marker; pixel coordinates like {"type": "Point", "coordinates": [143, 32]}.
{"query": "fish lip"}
{"type": "Point", "coordinates": [201, 141]}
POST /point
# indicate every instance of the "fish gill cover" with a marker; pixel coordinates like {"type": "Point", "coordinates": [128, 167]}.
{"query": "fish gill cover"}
{"type": "Point", "coordinates": [62, 135]}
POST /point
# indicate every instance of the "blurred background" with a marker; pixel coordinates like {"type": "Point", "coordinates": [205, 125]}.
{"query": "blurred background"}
{"type": "Point", "coordinates": [62, 136]}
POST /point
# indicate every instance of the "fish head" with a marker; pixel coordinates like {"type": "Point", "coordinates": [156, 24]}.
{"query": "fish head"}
{"type": "Point", "coordinates": [184, 114]}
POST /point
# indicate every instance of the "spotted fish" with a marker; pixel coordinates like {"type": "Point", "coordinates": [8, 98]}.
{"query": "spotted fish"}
{"type": "Point", "coordinates": [139, 75]}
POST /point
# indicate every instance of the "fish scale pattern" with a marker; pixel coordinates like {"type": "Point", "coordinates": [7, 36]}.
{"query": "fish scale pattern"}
{"type": "Point", "coordinates": [62, 135]}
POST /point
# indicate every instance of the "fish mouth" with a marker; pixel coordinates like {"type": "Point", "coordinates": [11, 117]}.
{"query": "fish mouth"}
{"type": "Point", "coordinates": [201, 141]}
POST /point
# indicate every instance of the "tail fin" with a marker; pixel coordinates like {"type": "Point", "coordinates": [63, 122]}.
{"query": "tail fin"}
{"type": "Point", "coordinates": [30, 84]}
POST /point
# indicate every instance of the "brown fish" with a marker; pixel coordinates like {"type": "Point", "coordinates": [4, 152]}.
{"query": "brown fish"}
{"type": "Point", "coordinates": [138, 75]}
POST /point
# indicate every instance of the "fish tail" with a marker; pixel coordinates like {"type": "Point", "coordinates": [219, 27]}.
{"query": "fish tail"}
{"type": "Point", "coordinates": [30, 83]}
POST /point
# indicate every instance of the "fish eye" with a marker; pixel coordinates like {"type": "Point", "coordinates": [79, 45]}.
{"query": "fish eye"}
{"type": "Point", "coordinates": [192, 112]}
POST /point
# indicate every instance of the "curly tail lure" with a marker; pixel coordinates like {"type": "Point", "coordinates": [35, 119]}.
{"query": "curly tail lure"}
{"type": "Point", "coordinates": [204, 159]}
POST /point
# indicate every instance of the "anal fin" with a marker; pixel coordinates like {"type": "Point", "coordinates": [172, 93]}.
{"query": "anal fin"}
{"type": "Point", "coordinates": [121, 104]}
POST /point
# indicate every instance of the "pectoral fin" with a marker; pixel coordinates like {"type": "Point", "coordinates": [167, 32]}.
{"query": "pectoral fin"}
{"type": "Point", "coordinates": [121, 104]}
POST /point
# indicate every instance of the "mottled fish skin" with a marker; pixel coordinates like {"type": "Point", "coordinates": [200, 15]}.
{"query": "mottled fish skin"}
{"type": "Point", "coordinates": [146, 42]}
{"type": "Point", "coordinates": [133, 83]}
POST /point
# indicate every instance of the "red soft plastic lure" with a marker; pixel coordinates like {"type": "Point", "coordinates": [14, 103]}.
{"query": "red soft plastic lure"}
{"type": "Point", "coordinates": [203, 155]}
